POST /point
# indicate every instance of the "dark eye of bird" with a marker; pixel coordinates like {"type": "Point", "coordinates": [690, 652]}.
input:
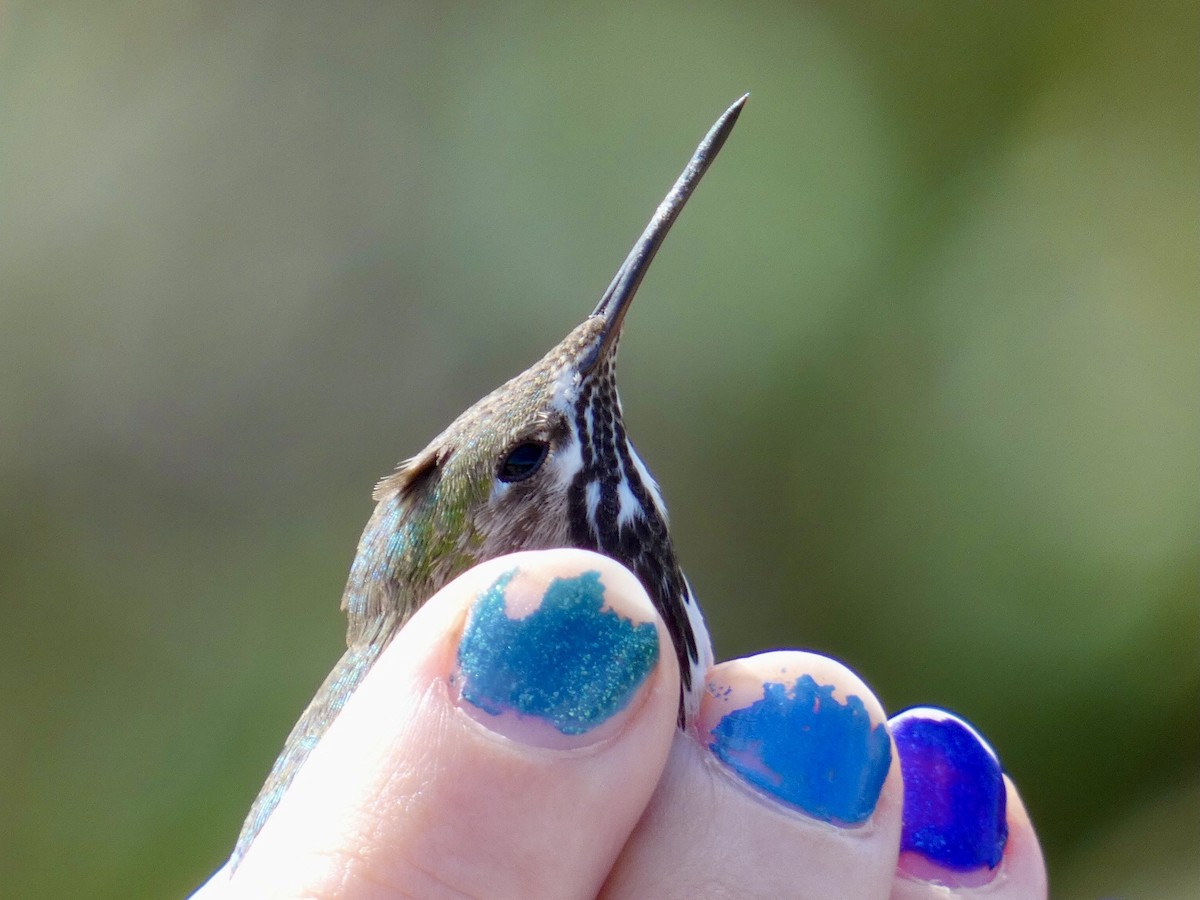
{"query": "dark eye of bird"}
{"type": "Point", "coordinates": [522, 461]}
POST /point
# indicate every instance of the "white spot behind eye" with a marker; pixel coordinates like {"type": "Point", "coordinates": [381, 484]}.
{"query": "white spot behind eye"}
{"type": "Point", "coordinates": [567, 460]}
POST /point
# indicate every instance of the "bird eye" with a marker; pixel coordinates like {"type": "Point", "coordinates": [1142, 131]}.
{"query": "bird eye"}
{"type": "Point", "coordinates": [522, 461]}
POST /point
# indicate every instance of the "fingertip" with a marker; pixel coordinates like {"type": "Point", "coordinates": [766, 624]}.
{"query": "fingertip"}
{"type": "Point", "coordinates": [787, 786]}
{"type": "Point", "coordinates": [965, 828]}
{"type": "Point", "coordinates": [560, 649]}
{"type": "Point", "coordinates": [804, 730]}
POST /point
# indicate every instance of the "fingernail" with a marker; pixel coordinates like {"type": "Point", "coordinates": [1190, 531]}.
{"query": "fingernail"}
{"type": "Point", "coordinates": [955, 827]}
{"type": "Point", "coordinates": [550, 660]}
{"type": "Point", "coordinates": [801, 744]}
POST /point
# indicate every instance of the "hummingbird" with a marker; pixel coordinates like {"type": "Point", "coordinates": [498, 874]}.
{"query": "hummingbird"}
{"type": "Point", "coordinates": [543, 461]}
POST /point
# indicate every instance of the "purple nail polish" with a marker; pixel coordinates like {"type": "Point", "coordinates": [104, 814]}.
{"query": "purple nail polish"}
{"type": "Point", "coordinates": [954, 797]}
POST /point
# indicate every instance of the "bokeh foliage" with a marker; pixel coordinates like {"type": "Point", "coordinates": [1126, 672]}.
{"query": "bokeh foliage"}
{"type": "Point", "coordinates": [917, 370]}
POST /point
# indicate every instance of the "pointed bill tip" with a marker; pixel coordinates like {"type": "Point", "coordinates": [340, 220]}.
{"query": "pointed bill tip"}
{"type": "Point", "coordinates": [616, 300]}
{"type": "Point", "coordinates": [715, 139]}
{"type": "Point", "coordinates": [735, 108]}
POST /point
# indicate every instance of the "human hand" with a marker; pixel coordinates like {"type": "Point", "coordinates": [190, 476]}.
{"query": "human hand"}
{"type": "Point", "coordinates": [429, 783]}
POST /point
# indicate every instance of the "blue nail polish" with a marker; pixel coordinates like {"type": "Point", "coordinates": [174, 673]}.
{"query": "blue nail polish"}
{"type": "Point", "coordinates": [954, 797]}
{"type": "Point", "coordinates": [808, 749]}
{"type": "Point", "coordinates": [571, 662]}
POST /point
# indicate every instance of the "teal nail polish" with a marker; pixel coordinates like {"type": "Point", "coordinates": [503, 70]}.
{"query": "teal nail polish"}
{"type": "Point", "coordinates": [805, 747]}
{"type": "Point", "coordinates": [570, 662]}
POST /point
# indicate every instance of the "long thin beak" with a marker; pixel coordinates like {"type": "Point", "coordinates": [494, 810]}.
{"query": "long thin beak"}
{"type": "Point", "coordinates": [619, 296]}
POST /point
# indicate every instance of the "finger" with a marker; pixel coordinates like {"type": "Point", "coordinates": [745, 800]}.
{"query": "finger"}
{"type": "Point", "coordinates": [504, 745]}
{"type": "Point", "coordinates": [966, 832]}
{"type": "Point", "coordinates": [788, 789]}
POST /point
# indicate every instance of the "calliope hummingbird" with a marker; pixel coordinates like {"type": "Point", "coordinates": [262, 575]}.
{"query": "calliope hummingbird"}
{"type": "Point", "coordinates": [542, 461]}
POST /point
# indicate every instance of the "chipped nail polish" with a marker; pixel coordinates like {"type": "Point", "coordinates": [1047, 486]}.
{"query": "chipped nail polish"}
{"type": "Point", "coordinates": [570, 662]}
{"type": "Point", "coordinates": [805, 747]}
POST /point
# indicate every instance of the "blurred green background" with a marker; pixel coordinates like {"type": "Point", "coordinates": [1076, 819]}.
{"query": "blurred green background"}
{"type": "Point", "coordinates": [917, 371]}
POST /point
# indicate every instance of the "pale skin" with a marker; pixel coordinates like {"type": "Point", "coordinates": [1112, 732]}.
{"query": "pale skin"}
{"type": "Point", "coordinates": [414, 793]}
